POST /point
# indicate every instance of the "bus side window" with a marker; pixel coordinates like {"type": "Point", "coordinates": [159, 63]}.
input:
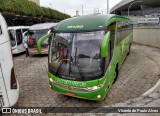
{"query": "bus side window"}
{"type": "Point", "coordinates": [108, 58]}
{"type": "Point", "coordinates": [24, 30]}
{"type": "Point", "coordinates": [124, 29]}
{"type": "Point", "coordinates": [19, 36]}
{"type": "Point", "coordinates": [0, 30]}
{"type": "Point", "coordinates": [112, 29]}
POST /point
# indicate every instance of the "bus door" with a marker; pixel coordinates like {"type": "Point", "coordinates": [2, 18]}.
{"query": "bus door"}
{"type": "Point", "coordinates": [34, 36]}
{"type": "Point", "coordinates": [19, 38]}
{"type": "Point", "coordinates": [3, 91]}
{"type": "Point", "coordinates": [25, 37]}
{"type": "Point", "coordinates": [12, 38]}
{"type": "Point", "coordinates": [25, 34]}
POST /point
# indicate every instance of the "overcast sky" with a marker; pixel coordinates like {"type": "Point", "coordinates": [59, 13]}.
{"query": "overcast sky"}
{"type": "Point", "coordinates": [70, 6]}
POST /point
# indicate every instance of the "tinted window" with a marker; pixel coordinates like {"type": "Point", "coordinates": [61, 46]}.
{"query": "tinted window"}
{"type": "Point", "coordinates": [24, 30]}
{"type": "Point", "coordinates": [12, 37]}
{"type": "Point", "coordinates": [124, 29]}
{"type": "Point", "coordinates": [76, 56]}
{"type": "Point", "coordinates": [19, 36]}
{"type": "Point", "coordinates": [36, 35]}
{"type": "Point", "coordinates": [112, 29]}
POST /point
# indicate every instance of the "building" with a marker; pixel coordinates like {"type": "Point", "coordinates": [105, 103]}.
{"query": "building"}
{"type": "Point", "coordinates": [145, 15]}
{"type": "Point", "coordinates": [36, 1]}
{"type": "Point", "coordinates": [137, 7]}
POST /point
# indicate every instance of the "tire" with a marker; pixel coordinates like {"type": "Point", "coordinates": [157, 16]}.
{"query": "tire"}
{"type": "Point", "coordinates": [116, 74]}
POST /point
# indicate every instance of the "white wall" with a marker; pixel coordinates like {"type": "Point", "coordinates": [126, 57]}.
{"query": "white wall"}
{"type": "Point", "coordinates": [147, 36]}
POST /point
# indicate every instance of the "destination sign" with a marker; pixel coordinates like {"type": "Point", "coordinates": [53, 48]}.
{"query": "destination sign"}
{"type": "Point", "coordinates": [148, 20]}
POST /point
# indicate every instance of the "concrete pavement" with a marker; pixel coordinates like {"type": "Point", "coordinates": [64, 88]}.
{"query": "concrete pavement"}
{"type": "Point", "coordinates": [150, 98]}
{"type": "Point", "coordinates": [139, 73]}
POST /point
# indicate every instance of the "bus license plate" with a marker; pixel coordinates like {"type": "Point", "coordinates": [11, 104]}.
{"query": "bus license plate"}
{"type": "Point", "coordinates": [70, 94]}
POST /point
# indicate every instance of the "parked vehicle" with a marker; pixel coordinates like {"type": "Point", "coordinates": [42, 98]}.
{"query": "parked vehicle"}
{"type": "Point", "coordinates": [9, 88]}
{"type": "Point", "coordinates": [34, 33]}
{"type": "Point", "coordinates": [16, 38]}
{"type": "Point", "coordinates": [86, 54]}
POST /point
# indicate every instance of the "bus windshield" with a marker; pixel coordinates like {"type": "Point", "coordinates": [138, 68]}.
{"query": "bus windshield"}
{"type": "Point", "coordinates": [34, 36]}
{"type": "Point", "coordinates": [12, 37]}
{"type": "Point", "coordinates": [76, 56]}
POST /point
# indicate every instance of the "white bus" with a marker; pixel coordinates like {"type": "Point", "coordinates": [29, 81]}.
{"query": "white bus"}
{"type": "Point", "coordinates": [9, 88]}
{"type": "Point", "coordinates": [35, 32]}
{"type": "Point", "coordinates": [16, 37]}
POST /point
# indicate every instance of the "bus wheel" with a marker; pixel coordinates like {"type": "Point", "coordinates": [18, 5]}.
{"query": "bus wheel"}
{"type": "Point", "coordinates": [129, 50]}
{"type": "Point", "coordinates": [116, 74]}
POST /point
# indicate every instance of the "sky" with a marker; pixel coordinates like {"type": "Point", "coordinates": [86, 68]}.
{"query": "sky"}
{"type": "Point", "coordinates": [71, 6]}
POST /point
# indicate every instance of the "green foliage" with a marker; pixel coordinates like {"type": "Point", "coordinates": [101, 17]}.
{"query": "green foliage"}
{"type": "Point", "coordinates": [25, 7]}
{"type": "Point", "coordinates": [46, 12]}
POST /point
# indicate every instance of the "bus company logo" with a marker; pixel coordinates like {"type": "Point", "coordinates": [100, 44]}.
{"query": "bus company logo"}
{"type": "Point", "coordinates": [6, 110]}
{"type": "Point", "coordinates": [71, 83]}
{"type": "Point", "coordinates": [75, 27]}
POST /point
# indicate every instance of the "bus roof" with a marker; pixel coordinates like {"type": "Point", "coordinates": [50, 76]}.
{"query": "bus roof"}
{"type": "Point", "coordinates": [88, 22]}
{"type": "Point", "coordinates": [42, 26]}
{"type": "Point", "coordinates": [17, 27]}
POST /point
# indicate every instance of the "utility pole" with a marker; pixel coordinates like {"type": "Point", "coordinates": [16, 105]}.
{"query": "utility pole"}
{"type": "Point", "coordinates": [107, 6]}
{"type": "Point", "coordinates": [82, 10]}
{"type": "Point", "coordinates": [50, 5]}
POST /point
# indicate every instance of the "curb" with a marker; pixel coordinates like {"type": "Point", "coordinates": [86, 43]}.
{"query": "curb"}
{"type": "Point", "coordinates": [152, 89]}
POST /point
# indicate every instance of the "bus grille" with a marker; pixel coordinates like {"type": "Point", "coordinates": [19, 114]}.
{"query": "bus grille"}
{"type": "Point", "coordinates": [70, 88]}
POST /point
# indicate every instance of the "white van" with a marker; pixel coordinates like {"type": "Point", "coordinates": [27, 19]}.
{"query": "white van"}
{"type": "Point", "coordinates": [16, 37]}
{"type": "Point", "coordinates": [9, 88]}
{"type": "Point", "coordinates": [35, 32]}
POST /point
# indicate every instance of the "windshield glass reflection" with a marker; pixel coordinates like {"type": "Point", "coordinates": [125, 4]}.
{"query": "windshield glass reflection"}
{"type": "Point", "coordinates": [76, 56]}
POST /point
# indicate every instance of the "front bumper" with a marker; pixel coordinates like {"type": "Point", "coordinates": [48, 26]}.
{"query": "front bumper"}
{"type": "Point", "coordinates": [96, 95]}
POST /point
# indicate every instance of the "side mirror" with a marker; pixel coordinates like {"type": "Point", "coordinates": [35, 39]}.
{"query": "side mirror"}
{"type": "Point", "coordinates": [49, 40]}
{"type": "Point", "coordinates": [25, 36]}
{"type": "Point", "coordinates": [105, 45]}
{"type": "Point", "coordinates": [39, 42]}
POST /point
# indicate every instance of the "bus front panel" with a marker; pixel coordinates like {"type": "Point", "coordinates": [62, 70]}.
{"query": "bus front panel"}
{"type": "Point", "coordinates": [75, 58]}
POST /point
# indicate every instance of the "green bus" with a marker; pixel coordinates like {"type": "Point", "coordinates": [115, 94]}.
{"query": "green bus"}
{"type": "Point", "coordinates": [86, 54]}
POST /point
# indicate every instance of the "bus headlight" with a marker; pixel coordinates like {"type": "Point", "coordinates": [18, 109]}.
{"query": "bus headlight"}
{"type": "Point", "coordinates": [99, 96]}
{"type": "Point", "coordinates": [95, 87]}
{"type": "Point", "coordinates": [51, 80]}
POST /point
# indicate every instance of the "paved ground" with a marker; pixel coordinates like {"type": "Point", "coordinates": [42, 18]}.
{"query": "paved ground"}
{"type": "Point", "coordinates": [138, 74]}
{"type": "Point", "coordinates": [149, 99]}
